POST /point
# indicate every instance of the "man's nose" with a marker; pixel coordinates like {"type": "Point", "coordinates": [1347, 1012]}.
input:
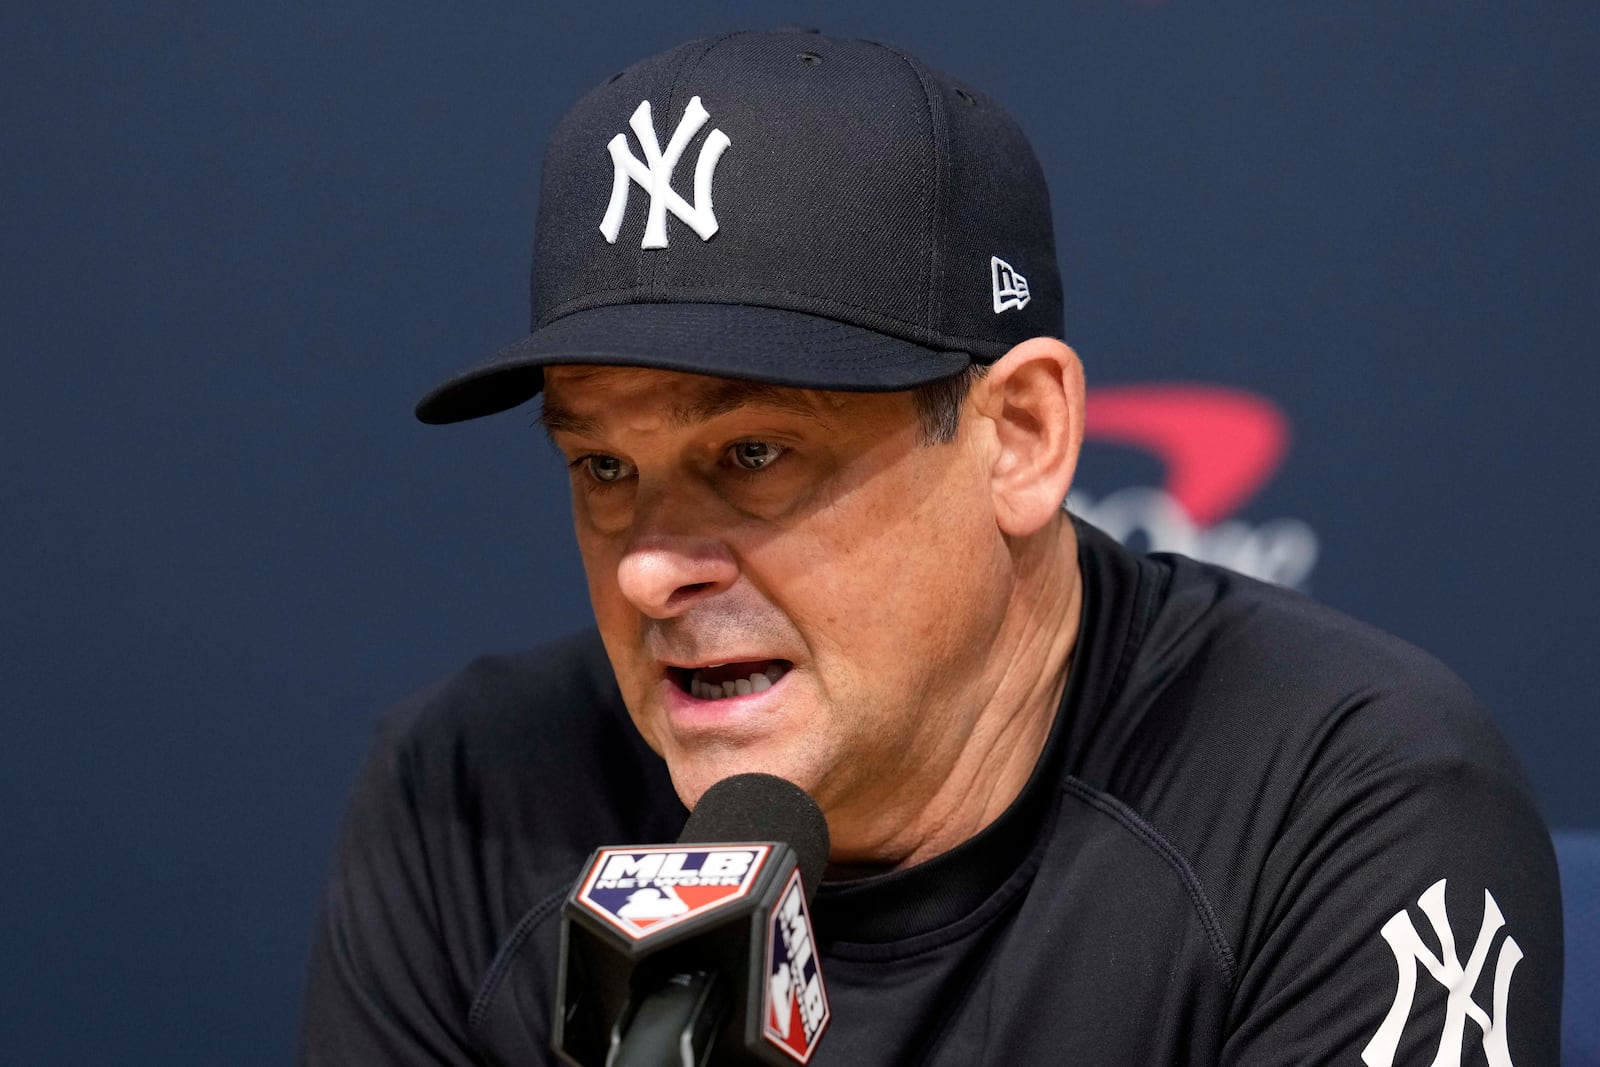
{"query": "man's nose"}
{"type": "Point", "coordinates": [667, 568]}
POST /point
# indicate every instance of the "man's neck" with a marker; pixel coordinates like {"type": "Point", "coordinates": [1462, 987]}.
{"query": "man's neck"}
{"type": "Point", "coordinates": [1025, 678]}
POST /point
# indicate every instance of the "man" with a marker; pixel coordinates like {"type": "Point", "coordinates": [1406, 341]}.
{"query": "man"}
{"type": "Point", "coordinates": [797, 336]}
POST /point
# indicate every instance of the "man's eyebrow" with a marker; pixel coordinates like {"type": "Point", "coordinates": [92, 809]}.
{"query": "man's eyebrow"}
{"type": "Point", "coordinates": [556, 419]}
{"type": "Point", "coordinates": [721, 399]}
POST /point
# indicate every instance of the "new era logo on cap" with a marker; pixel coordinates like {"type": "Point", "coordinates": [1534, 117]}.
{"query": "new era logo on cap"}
{"type": "Point", "coordinates": [1010, 288]}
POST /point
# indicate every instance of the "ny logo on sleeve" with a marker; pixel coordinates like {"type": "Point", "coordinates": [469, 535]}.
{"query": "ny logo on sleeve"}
{"type": "Point", "coordinates": [1446, 969]}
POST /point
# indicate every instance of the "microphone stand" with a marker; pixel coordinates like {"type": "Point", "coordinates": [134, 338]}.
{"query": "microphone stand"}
{"type": "Point", "coordinates": [672, 1026]}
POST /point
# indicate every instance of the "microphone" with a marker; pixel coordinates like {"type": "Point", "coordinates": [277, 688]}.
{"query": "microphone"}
{"type": "Point", "coordinates": [701, 952]}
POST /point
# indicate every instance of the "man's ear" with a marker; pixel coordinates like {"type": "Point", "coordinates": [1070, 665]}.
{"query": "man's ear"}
{"type": "Point", "coordinates": [1033, 397]}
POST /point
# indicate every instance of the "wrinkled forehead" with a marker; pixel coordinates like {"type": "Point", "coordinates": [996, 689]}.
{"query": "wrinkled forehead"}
{"type": "Point", "coordinates": [577, 397]}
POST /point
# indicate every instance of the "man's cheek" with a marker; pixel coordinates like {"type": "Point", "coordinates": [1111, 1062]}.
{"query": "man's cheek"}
{"type": "Point", "coordinates": [600, 565]}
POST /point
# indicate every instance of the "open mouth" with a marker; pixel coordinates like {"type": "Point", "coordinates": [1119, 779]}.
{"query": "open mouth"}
{"type": "Point", "coordinates": [725, 680]}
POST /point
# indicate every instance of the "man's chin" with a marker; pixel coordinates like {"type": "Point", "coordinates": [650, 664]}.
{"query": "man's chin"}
{"type": "Point", "coordinates": [693, 774]}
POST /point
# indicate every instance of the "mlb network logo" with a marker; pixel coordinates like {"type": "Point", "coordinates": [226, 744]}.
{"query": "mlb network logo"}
{"type": "Point", "coordinates": [642, 891]}
{"type": "Point", "coordinates": [796, 1004]}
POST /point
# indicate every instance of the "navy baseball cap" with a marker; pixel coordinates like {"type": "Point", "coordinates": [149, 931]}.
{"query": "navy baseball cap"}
{"type": "Point", "coordinates": [784, 207]}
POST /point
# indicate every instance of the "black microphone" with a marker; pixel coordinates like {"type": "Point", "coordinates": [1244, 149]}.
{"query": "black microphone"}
{"type": "Point", "coordinates": [700, 952]}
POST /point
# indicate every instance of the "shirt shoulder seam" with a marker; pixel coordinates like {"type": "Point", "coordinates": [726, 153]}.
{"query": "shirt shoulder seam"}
{"type": "Point", "coordinates": [1174, 858]}
{"type": "Point", "coordinates": [503, 960]}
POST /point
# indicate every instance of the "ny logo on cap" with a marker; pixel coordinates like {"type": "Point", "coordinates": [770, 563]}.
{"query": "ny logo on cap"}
{"type": "Point", "coordinates": [655, 176]}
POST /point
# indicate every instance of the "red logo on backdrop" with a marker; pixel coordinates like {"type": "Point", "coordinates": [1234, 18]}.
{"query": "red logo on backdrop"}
{"type": "Point", "coordinates": [1219, 447]}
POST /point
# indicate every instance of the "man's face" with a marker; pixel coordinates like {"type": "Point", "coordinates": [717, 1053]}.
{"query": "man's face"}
{"type": "Point", "coordinates": [806, 552]}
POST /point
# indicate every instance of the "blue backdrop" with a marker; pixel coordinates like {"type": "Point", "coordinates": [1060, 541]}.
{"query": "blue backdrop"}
{"type": "Point", "coordinates": [241, 239]}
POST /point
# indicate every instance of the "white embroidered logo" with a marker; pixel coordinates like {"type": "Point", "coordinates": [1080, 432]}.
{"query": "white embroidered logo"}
{"type": "Point", "coordinates": [655, 176]}
{"type": "Point", "coordinates": [1010, 288]}
{"type": "Point", "coordinates": [1446, 969]}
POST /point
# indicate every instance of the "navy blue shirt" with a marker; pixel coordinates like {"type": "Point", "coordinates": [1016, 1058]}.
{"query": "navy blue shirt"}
{"type": "Point", "coordinates": [1260, 833]}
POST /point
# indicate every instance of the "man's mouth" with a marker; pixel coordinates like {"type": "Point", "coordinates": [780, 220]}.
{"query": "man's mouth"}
{"type": "Point", "coordinates": [723, 680]}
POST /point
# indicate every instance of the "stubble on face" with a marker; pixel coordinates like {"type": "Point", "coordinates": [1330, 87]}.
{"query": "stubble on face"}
{"type": "Point", "coordinates": [867, 563]}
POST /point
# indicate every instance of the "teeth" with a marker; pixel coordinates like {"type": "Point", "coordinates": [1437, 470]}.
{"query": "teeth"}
{"type": "Point", "coordinates": [738, 687]}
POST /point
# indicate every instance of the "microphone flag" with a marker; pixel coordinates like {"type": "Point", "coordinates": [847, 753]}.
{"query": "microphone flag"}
{"type": "Point", "coordinates": [695, 953]}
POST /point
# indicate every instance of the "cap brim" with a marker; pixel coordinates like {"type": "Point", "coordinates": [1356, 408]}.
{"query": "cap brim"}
{"type": "Point", "coordinates": [772, 345]}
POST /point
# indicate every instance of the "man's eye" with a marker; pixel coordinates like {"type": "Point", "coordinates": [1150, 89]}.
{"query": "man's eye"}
{"type": "Point", "coordinates": [753, 455]}
{"type": "Point", "coordinates": [605, 469]}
